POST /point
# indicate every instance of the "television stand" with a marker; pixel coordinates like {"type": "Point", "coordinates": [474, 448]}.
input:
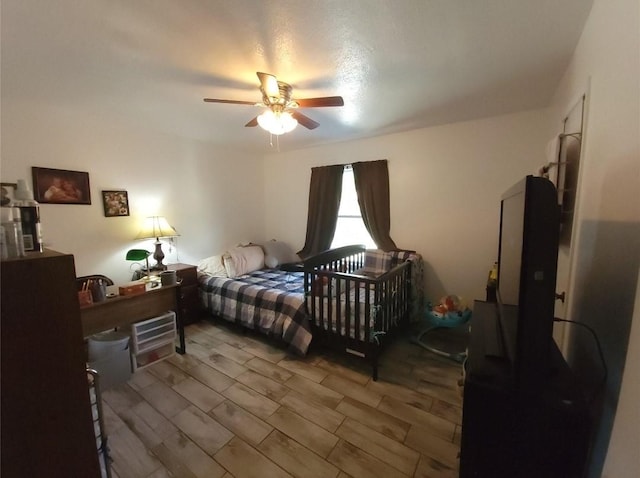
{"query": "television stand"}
{"type": "Point", "coordinates": [508, 434]}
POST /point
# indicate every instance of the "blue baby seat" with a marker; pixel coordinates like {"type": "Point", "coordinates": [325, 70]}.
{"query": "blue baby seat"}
{"type": "Point", "coordinates": [435, 321]}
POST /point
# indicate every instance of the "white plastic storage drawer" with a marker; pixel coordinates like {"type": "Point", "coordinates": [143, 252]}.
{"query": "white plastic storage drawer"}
{"type": "Point", "coordinates": [152, 356]}
{"type": "Point", "coordinates": [153, 339]}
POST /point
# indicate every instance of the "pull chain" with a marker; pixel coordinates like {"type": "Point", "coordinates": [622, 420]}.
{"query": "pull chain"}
{"type": "Point", "coordinates": [277, 141]}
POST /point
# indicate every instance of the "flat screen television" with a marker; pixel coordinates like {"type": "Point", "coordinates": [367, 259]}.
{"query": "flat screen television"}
{"type": "Point", "coordinates": [527, 263]}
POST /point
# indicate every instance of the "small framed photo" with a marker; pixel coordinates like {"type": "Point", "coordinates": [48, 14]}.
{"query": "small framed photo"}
{"type": "Point", "coordinates": [60, 186]}
{"type": "Point", "coordinates": [116, 203]}
{"type": "Point", "coordinates": [8, 193]}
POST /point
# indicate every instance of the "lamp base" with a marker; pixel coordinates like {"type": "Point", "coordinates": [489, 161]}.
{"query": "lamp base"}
{"type": "Point", "coordinates": [158, 255]}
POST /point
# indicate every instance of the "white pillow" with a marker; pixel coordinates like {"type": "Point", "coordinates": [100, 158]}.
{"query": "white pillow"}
{"type": "Point", "coordinates": [242, 260]}
{"type": "Point", "coordinates": [271, 262]}
{"type": "Point", "coordinates": [276, 253]}
{"type": "Point", "coordinates": [212, 266]}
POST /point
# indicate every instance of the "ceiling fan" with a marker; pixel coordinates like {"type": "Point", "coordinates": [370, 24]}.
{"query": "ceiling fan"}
{"type": "Point", "coordinates": [281, 116]}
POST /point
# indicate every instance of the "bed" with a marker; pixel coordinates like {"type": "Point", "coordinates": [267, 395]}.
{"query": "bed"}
{"type": "Point", "coordinates": [348, 298]}
{"type": "Point", "coordinates": [267, 300]}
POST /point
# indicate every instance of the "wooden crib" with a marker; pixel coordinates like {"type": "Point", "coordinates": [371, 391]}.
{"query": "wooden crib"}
{"type": "Point", "coordinates": [353, 309]}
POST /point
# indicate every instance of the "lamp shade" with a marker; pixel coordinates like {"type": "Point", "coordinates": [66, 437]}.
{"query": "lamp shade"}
{"type": "Point", "coordinates": [137, 254]}
{"type": "Point", "coordinates": [156, 226]}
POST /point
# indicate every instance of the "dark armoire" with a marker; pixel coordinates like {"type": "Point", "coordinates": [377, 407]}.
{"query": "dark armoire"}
{"type": "Point", "coordinates": [47, 428]}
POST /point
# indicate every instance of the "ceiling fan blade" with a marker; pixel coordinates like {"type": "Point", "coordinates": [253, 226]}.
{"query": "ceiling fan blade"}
{"type": "Point", "coordinates": [252, 123]}
{"type": "Point", "coordinates": [232, 102]}
{"type": "Point", "coordinates": [305, 120]}
{"type": "Point", "coordinates": [318, 102]}
{"type": "Point", "coordinates": [269, 84]}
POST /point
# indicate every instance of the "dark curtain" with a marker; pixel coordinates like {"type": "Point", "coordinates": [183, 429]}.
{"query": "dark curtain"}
{"type": "Point", "coordinates": [324, 200]}
{"type": "Point", "coordinates": [372, 186]}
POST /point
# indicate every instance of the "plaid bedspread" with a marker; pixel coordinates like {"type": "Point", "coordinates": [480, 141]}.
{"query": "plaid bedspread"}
{"type": "Point", "coordinates": [267, 300]}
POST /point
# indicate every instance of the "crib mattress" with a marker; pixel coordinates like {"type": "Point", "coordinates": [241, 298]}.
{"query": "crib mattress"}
{"type": "Point", "coordinates": [332, 307]}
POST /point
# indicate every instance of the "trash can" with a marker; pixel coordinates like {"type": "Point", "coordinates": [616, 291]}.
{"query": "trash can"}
{"type": "Point", "coordinates": [109, 356]}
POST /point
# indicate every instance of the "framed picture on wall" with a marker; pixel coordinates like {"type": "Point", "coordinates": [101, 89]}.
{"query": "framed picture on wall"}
{"type": "Point", "coordinates": [60, 186]}
{"type": "Point", "coordinates": [8, 193]}
{"type": "Point", "coordinates": [116, 203]}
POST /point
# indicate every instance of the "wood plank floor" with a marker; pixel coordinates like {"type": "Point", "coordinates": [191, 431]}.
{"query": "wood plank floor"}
{"type": "Point", "coordinates": [238, 405]}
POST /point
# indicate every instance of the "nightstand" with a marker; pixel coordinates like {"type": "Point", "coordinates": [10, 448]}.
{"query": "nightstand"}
{"type": "Point", "coordinates": [189, 303]}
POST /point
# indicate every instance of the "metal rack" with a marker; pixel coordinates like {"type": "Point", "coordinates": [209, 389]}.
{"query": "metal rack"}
{"type": "Point", "coordinates": [98, 423]}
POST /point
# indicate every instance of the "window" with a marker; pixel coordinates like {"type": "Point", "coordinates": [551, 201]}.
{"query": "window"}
{"type": "Point", "coordinates": [350, 228]}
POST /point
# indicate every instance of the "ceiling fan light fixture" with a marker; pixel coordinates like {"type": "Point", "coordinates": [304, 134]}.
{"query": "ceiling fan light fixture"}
{"type": "Point", "coordinates": [278, 122]}
{"type": "Point", "coordinates": [281, 115]}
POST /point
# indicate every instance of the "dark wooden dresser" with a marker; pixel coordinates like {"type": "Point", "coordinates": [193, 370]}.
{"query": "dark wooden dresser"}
{"type": "Point", "coordinates": [189, 304]}
{"type": "Point", "coordinates": [507, 434]}
{"type": "Point", "coordinates": [47, 428]}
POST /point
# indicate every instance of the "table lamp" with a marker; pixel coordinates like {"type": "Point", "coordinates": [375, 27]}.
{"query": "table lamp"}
{"type": "Point", "coordinates": [138, 255]}
{"type": "Point", "coordinates": [157, 226]}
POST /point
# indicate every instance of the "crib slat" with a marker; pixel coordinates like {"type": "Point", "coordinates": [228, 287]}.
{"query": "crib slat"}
{"type": "Point", "coordinates": [367, 312]}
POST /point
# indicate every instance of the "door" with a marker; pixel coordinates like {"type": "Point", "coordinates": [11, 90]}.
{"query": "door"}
{"type": "Point", "coordinates": [567, 183]}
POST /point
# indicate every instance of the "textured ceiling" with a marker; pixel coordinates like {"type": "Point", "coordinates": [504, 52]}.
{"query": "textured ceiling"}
{"type": "Point", "coordinates": [399, 64]}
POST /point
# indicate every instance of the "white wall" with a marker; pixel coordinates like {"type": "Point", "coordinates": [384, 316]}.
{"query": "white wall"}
{"type": "Point", "coordinates": [445, 186]}
{"type": "Point", "coordinates": [92, 118]}
{"type": "Point", "coordinates": [606, 258]}
{"type": "Point", "coordinates": [212, 197]}
{"type": "Point", "coordinates": [622, 456]}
